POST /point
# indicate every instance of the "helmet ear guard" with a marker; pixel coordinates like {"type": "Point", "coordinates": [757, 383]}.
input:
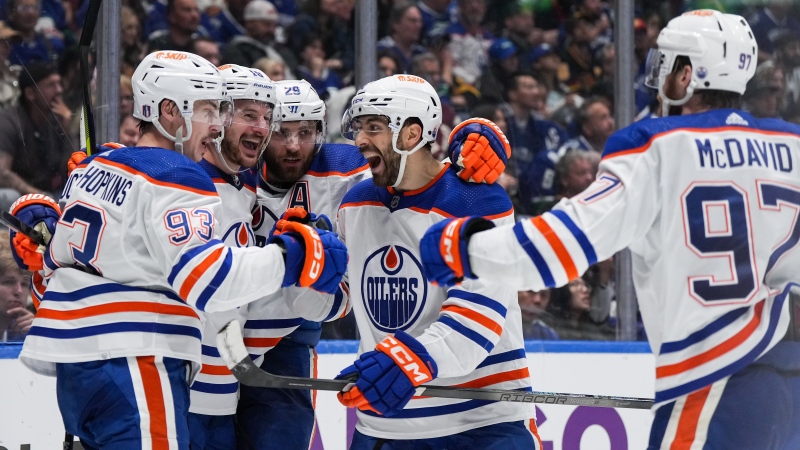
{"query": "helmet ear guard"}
{"type": "Point", "coordinates": [721, 48]}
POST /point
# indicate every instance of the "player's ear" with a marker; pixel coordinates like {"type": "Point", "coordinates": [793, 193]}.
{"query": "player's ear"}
{"type": "Point", "coordinates": [685, 76]}
{"type": "Point", "coordinates": [410, 135]}
{"type": "Point", "coordinates": [169, 109]}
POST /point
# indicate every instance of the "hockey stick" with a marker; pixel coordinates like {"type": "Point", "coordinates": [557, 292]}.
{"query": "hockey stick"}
{"type": "Point", "coordinates": [84, 44]}
{"type": "Point", "coordinates": [232, 349]}
{"type": "Point", "coordinates": [15, 224]}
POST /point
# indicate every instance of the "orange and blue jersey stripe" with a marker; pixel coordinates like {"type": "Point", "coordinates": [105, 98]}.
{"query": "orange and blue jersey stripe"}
{"type": "Point", "coordinates": [556, 243]}
{"type": "Point", "coordinates": [197, 262]}
{"type": "Point", "coordinates": [721, 353]}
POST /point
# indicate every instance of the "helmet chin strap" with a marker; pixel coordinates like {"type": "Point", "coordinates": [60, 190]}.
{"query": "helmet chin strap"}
{"type": "Point", "coordinates": [404, 154]}
{"type": "Point", "coordinates": [178, 139]}
{"type": "Point", "coordinates": [667, 102]}
{"type": "Point", "coordinates": [218, 150]}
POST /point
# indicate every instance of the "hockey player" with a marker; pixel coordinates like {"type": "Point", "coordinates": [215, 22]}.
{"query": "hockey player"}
{"type": "Point", "coordinates": [137, 255]}
{"type": "Point", "coordinates": [214, 393]}
{"type": "Point", "coordinates": [413, 332]}
{"type": "Point", "coordinates": [708, 203]}
{"type": "Point", "coordinates": [299, 171]}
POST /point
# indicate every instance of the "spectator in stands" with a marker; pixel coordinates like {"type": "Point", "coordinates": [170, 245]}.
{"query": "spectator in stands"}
{"type": "Point", "coordinates": [313, 67]}
{"type": "Point", "coordinates": [9, 91]}
{"type": "Point", "coordinates": [32, 45]}
{"type": "Point", "coordinates": [260, 21]}
{"type": "Point", "coordinates": [544, 173]}
{"type": "Point", "coordinates": [183, 18]}
{"type": "Point", "coordinates": [34, 146]}
{"type": "Point", "coordinates": [771, 22]}
{"type": "Point", "coordinates": [546, 62]}
{"type": "Point", "coordinates": [595, 123]}
{"type": "Point", "coordinates": [274, 69]}
{"type": "Point", "coordinates": [532, 306]}
{"type": "Point", "coordinates": [128, 130]}
{"type": "Point", "coordinates": [133, 50]}
{"type": "Point", "coordinates": [125, 96]}
{"type": "Point", "coordinates": [604, 29]}
{"type": "Point", "coordinates": [577, 53]}
{"type": "Point", "coordinates": [388, 64]}
{"type": "Point", "coordinates": [518, 28]}
{"type": "Point", "coordinates": [218, 22]}
{"type": "Point", "coordinates": [787, 58]}
{"type": "Point", "coordinates": [333, 21]}
{"type": "Point", "coordinates": [469, 41]}
{"type": "Point", "coordinates": [765, 92]}
{"type": "Point", "coordinates": [571, 306]}
{"type": "Point", "coordinates": [405, 25]}
{"type": "Point", "coordinates": [575, 171]}
{"type": "Point", "coordinates": [207, 48]}
{"type": "Point", "coordinates": [529, 135]}
{"type": "Point", "coordinates": [427, 66]}
{"type": "Point", "coordinates": [436, 17]}
{"type": "Point", "coordinates": [497, 76]}
{"type": "Point", "coordinates": [15, 318]}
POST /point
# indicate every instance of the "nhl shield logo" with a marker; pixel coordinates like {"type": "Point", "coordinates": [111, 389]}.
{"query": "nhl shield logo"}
{"type": "Point", "coordinates": [393, 288]}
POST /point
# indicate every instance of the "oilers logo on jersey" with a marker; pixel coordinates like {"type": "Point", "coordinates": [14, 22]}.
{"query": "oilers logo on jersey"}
{"type": "Point", "coordinates": [239, 234]}
{"type": "Point", "coordinates": [393, 288]}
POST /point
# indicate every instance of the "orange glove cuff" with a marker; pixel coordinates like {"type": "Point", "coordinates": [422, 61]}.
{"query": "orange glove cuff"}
{"type": "Point", "coordinates": [33, 199]}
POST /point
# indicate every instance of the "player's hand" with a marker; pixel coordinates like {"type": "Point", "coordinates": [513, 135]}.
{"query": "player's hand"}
{"type": "Point", "coordinates": [314, 258]}
{"type": "Point", "coordinates": [41, 213]}
{"type": "Point", "coordinates": [21, 320]}
{"type": "Point", "coordinates": [387, 377]}
{"type": "Point", "coordinates": [300, 215]}
{"type": "Point", "coordinates": [443, 248]}
{"type": "Point", "coordinates": [478, 150]}
{"type": "Point", "coordinates": [77, 157]}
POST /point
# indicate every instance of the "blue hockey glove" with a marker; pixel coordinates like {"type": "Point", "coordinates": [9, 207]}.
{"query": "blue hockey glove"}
{"type": "Point", "coordinates": [443, 248]}
{"type": "Point", "coordinates": [388, 376]}
{"type": "Point", "coordinates": [478, 150]}
{"type": "Point", "coordinates": [41, 213]}
{"type": "Point", "coordinates": [314, 258]}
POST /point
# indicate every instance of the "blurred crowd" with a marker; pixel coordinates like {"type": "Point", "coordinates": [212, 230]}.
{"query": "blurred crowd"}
{"type": "Point", "coordinates": [543, 70]}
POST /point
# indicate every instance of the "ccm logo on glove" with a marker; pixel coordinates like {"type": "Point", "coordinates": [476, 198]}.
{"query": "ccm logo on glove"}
{"type": "Point", "coordinates": [316, 263]}
{"type": "Point", "coordinates": [415, 369]}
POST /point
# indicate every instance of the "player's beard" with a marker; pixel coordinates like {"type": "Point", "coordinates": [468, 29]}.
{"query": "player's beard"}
{"type": "Point", "coordinates": [230, 151]}
{"type": "Point", "coordinates": [279, 173]}
{"type": "Point", "coordinates": [390, 160]}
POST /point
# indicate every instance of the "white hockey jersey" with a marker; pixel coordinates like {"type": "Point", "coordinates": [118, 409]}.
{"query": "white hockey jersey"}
{"type": "Point", "coordinates": [335, 169]}
{"type": "Point", "coordinates": [708, 205]}
{"type": "Point", "coordinates": [473, 332]}
{"type": "Point", "coordinates": [135, 254]}
{"type": "Point", "coordinates": [215, 391]}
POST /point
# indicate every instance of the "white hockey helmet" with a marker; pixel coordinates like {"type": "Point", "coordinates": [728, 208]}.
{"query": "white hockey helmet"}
{"type": "Point", "coordinates": [721, 48]}
{"type": "Point", "coordinates": [183, 78]}
{"type": "Point", "coordinates": [398, 98]}
{"type": "Point", "coordinates": [298, 102]}
{"type": "Point", "coordinates": [250, 84]}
